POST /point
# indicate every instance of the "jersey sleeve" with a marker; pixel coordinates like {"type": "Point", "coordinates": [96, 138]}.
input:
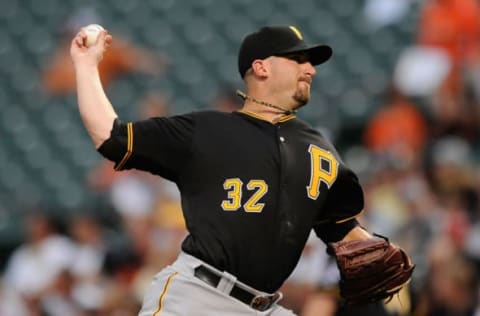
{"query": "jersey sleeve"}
{"type": "Point", "coordinates": [344, 200]}
{"type": "Point", "coordinates": [161, 146]}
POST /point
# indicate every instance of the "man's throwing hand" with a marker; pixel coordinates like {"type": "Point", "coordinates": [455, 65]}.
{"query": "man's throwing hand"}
{"type": "Point", "coordinates": [84, 50]}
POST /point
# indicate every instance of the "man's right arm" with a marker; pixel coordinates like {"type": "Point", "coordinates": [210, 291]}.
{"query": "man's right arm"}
{"type": "Point", "coordinates": [95, 109]}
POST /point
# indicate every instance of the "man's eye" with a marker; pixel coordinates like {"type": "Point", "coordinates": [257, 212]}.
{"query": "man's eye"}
{"type": "Point", "coordinates": [299, 58]}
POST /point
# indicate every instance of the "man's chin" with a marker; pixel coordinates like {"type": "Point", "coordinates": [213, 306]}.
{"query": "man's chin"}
{"type": "Point", "coordinates": [301, 100]}
{"type": "Point", "coordinates": [302, 96]}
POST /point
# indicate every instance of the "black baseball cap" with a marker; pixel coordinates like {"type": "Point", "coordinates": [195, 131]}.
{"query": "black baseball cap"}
{"type": "Point", "coordinates": [278, 40]}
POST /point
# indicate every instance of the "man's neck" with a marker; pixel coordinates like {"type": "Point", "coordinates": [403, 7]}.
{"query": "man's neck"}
{"type": "Point", "coordinates": [271, 115]}
{"type": "Point", "coordinates": [268, 111]}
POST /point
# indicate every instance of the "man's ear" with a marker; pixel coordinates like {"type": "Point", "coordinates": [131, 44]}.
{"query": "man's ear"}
{"type": "Point", "coordinates": [260, 68]}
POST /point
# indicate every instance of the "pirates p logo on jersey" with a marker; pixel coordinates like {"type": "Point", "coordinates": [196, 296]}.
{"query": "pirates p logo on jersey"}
{"type": "Point", "coordinates": [323, 168]}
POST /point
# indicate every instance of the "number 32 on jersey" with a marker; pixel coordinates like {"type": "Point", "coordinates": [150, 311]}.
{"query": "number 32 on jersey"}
{"type": "Point", "coordinates": [323, 168]}
{"type": "Point", "coordinates": [234, 188]}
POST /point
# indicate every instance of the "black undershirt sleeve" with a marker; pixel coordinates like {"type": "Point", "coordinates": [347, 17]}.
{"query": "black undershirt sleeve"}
{"type": "Point", "coordinates": [344, 203]}
{"type": "Point", "coordinates": [345, 198]}
{"type": "Point", "coordinates": [333, 232]}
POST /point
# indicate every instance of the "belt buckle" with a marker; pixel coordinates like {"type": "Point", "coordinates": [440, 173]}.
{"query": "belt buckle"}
{"type": "Point", "coordinates": [264, 302]}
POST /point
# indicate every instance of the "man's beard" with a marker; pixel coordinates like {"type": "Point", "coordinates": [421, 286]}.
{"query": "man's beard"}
{"type": "Point", "coordinates": [301, 97]}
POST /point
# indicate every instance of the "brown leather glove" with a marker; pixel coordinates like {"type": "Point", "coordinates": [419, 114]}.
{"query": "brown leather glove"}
{"type": "Point", "coordinates": [370, 270]}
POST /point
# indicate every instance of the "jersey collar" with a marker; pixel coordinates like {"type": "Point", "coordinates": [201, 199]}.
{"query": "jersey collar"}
{"type": "Point", "coordinates": [260, 117]}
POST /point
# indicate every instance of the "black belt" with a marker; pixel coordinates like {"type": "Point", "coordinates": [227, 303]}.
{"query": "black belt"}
{"type": "Point", "coordinates": [258, 302]}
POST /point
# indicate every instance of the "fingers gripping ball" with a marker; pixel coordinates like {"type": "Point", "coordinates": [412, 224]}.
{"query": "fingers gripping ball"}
{"type": "Point", "coordinates": [370, 270]}
{"type": "Point", "coordinates": [92, 31]}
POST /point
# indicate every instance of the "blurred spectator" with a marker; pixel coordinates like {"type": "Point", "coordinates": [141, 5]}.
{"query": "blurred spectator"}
{"type": "Point", "coordinates": [35, 265]}
{"type": "Point", "coordinates": [58, 76]}
{"type": "Point", "coordinates": [91, 247]}
{"type": "Point", "coordinates": [380, 13]}
{"type": "Point", "coordinates": [453, 284]}
{"type": "Point", "coordinates": [86, 271]}
{"type": "Point", "coordinates": [455, 115]}
{"type": "Point", "coordinates": [454, 27]}
{"type": "Point", "coordinates": [57, 299]}
{"type": "Point", "coordinates": [397, 129]}
{"type": "Point", "coordinates": [420, 71]}
{"type": "Point", "coordinates": [472, 246]}
{"type": "Point", "coordinates": [12, 303]}
{"type": "Point", "coordinates": [387, 204]}
{"type": "Point", "coordinates": [153, 104]}
{"type": "Point", "coordinates": [446, 50]}
{"type": "Point", "coordinates": [451, 166]}
{"type": "Point", "coordinates": [227, 100]}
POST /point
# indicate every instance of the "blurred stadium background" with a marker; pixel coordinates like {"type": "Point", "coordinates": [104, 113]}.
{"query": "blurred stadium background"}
{"type": "Point", "coordinates": [46, 156]}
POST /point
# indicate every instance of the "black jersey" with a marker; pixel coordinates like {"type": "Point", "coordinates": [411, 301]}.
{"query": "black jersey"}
{"type": "Point", "coordinates": [251, 190]}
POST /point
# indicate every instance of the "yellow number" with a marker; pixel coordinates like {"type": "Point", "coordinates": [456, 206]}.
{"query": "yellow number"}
{"type": "Point", "coordinates": [234, 190]}
{"type": "Point", "coordinates": [234, 195]}
{"type": "Point", "coordinates": [318, 172]}
{"type": "Point", "coordinates": [252, 204]}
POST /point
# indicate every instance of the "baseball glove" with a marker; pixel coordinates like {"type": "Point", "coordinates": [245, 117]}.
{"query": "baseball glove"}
{"type": "Point", "coordinates": [370, 270]}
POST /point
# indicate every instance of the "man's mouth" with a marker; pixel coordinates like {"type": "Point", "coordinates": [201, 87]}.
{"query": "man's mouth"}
{"type": "Point", "coordinates": [306, 79]}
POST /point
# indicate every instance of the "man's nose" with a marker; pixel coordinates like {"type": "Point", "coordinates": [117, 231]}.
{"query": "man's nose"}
{"type": "Point", "coordinates": [309, 69]}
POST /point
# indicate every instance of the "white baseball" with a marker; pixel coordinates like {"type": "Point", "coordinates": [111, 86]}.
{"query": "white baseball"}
{"type": "Point", "coordinates": [92, 31]}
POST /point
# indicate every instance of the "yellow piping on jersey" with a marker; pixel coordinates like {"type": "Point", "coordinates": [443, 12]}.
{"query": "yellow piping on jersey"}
{"type": "Point", "coordinates": [164, 292]}
{"type": "Point", "coordinates": [340, 221]}
{"type": "Point", "coordinates": [349, 218]}
{"type": "Point", "coordinates": [129, 147]}
{"type": "Point", "coordinates": [286, 118]}
{"type": "Point", "coordinates": [258, 116]}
